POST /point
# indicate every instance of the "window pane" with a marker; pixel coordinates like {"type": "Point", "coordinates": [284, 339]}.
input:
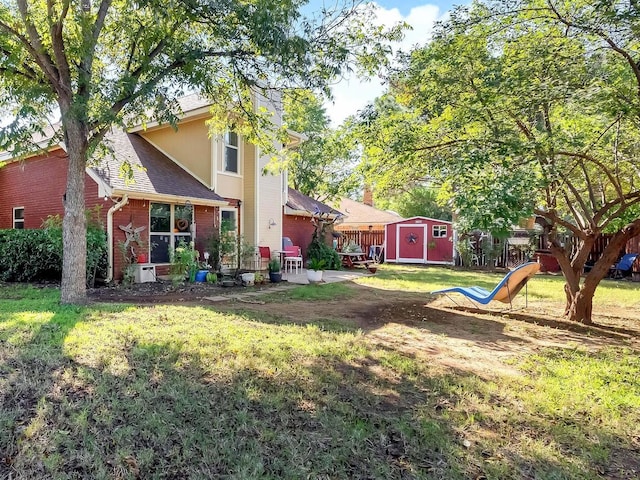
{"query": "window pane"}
{"type": "Point", "coordinates": [178, 239]}
{"type": "Point", "coordinates": [160, 248]}
{"type": "Point", "coordinates": [183, 218]}
{"type": "Point", "coordinates": [18, 225]}
{"type": "Point", "coordinates": [231, 159]}
{"type": "Point", "coordinates": [18, 214]}
{"type": "Point", "coordinates": [229, 219]}
{"type": "Point", "coordinates": [160, 217]}
{"type": "Point", "coordinates": [231, 138]}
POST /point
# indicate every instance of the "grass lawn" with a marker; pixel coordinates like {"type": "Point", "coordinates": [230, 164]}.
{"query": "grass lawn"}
{"type": "Point", "coordinates": [120, 391]}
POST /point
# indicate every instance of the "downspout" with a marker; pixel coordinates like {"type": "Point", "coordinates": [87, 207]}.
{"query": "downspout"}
{"type": "Point", "coordinates": [112, 210]}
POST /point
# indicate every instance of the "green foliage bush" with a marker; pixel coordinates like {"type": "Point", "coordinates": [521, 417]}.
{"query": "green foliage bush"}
{"type": "Point", "coordinates": [320, 251]}
{"type": "Point", "coordinates": [36, 255]}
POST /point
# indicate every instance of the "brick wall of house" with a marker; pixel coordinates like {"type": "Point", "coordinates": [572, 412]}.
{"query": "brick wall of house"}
{"type": "Point", "coordinates": [206, 219]}
{"type": "Point", "coordinates": [299, 229]}
{"type": "Point", "coordinates": [135, 212]}
{"type": "Point", "coordinates": [38, 184]}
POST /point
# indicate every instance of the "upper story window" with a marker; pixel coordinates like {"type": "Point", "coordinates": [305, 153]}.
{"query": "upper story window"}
{"type": "Point", "coordinates": [439, 231]}
{"type": "Point", "coordinates": [18, 218]}
{"type": "Point", "coordinates": [231, 151]}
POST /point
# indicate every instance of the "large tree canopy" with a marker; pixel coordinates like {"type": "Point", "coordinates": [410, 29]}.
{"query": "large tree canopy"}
{"type": "Point", "coordinates": [122, 62]}
{"type": "Point", "coordinates": [323, 167]}
{"type": "Point", "coordinates": [521, 108]}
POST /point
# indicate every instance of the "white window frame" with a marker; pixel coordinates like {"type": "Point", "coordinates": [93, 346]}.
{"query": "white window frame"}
{"type": "Point", "coordinates": [18, 220]}
{"type": "Point", "coordinates": [236, 214]}
{"type": "Point", "coordinates": [172, 219]}
{"type": "Point", "coordinates": [439, 231]}
{"type": "Point", "coordinates": [226, 145]}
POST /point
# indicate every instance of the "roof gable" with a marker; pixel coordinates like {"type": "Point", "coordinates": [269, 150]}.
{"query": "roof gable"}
{"type": "Point", "coordinates": [153, 172]}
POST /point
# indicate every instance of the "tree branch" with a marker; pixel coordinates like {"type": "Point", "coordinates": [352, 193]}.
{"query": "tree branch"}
{"type": "Point", "coordinates": [37, 53]}
{"type": "Point", "coordinates": [555, 219]}
{"type": "Point", "coordinates": [634, 66]}
{"type": "Point", "coordinates": [595, 161]}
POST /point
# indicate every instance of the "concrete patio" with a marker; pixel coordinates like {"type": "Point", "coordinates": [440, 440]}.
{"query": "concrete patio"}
{"type": "Point", "coordinates": [328, 276]}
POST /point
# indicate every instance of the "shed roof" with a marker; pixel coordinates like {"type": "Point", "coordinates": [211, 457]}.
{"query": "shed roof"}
{"type": "Point", "coordinates": [429, 219]}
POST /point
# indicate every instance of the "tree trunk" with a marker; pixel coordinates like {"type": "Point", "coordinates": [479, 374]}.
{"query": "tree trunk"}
{"type": "Point", "coordinates": [579, 305]}
{"type": "Point", "coordinates": [74, 230]}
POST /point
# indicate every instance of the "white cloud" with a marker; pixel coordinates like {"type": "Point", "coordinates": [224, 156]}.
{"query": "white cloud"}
{"type": "Point", "coordinates": [352, 94]}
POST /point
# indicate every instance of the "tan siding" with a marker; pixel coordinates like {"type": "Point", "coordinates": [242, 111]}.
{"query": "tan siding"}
{"type": "Point", "coordinates": [250, 208]}
{"type": "Point", "coordinates": [269, 206]}
{"type": "Point", "coordinates": [229, 186]}
{"type": "Point", "coordinates": [190, 146]}
{"type": "Point", "coordinates": [270, 189]}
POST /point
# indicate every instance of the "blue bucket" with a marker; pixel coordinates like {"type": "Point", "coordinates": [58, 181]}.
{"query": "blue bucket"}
{"type": "Point", "coordinates": [201, 276]}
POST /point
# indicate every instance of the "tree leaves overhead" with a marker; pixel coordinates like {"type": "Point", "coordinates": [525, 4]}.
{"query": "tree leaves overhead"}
{"type": "Point", "coordinates": [105, 63]}
{"type": "Point", "coordinates": [323, 166]}
{"type": "Point", "coordinates": [513, 98]}
{"type": "Point", "coordinates": [125, 62]}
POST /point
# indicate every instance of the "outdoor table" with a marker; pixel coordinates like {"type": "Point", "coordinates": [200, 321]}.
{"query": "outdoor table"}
{"type": "Point", "coordinates": [354, 259]}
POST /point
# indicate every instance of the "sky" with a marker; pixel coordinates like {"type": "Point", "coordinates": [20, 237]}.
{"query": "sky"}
{"type": "Point", "coordinates": [352, 94]}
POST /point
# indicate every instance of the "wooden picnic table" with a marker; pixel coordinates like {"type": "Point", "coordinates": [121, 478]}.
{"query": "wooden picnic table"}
{"type": "Point", "coordinates": [354, 259]}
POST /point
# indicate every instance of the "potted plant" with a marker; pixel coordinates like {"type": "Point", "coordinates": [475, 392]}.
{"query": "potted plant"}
{"type": "Point", "coordinates": [275, 275]}
{"type": "Point", "coordinates": [314, 270]}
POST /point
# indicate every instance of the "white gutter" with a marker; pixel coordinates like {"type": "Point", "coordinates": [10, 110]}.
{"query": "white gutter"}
{"type": "Point", "coordinates": [112, 210]}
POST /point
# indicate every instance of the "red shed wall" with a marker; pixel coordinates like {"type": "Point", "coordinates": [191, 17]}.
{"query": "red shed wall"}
{"type": "Point", "coordinates": [38, 184]}
{"type": "Point", "coordinates": [299, 229]}
{"type": "Point", "coordinates": [443, 251]}
{"type": "Point", "coordinates": [390, 242]}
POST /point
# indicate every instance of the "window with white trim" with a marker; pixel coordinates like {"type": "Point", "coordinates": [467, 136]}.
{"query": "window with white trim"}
{"type": "Point", "coordinates": [231, 152]}
{"type": "Point", "coordinates": [18, 218]}
{"type": "Point", "coordinates": [169, 225]}
{"type": "Point", "coordinates": [439, 231]}
{"type": "Point", "coordinates": [229, 228]}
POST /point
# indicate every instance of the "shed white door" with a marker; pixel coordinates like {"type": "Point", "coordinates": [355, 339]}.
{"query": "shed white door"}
{"type": "Point", "coordinates": [411, 243]}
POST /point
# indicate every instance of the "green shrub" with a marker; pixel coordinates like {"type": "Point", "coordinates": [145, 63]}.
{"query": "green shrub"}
{"type": "Point", "coordinates": [36, 255]}
{"type": "Point", "coordinates": [320, 251]}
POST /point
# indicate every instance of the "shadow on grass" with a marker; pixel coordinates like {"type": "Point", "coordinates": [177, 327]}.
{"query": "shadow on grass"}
{"type": "Point", "coordinates": [609, 331]}
{"type": "Point", "coordinates": [194, 408]}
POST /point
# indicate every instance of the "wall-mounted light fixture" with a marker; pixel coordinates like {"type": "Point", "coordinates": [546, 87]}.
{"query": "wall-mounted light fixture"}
{"type": "Point", "coordinates": [272, 223]}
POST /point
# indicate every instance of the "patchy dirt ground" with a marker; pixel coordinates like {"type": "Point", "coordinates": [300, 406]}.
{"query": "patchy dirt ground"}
{"type": "Point", "coordinates": [479, 341]}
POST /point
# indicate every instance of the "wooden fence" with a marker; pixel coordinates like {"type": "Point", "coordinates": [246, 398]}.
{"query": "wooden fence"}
{"type": "Point", "coordinates": [509, 255]}
{"type": "Point", "coordinates": [363, 238]}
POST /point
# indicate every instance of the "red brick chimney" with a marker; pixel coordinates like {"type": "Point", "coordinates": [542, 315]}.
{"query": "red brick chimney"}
{"type": "Point", "coordinates": [367, 196]}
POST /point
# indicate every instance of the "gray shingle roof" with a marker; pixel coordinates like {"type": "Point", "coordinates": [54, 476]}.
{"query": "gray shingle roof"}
{"type": "Point", "coordinates": [153, 172]}
{"type": "Point", "coordinates": [360, 213]}
{"type": "Point", "coordinates": [301, 202]}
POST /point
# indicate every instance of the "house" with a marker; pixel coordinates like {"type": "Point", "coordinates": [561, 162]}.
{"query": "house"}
{"type": "Point", "coordinates": [185, 183]}
{"type": "Point", "coordinates": [363, 216]}
{"type": "Point", "coordinates": [299, 212]}
{"type": "Point", "coordinates": [419, 240]}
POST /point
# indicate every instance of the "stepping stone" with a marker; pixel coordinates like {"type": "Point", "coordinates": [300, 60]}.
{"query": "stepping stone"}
{"type": "Point", "coordinates": [217, 298]}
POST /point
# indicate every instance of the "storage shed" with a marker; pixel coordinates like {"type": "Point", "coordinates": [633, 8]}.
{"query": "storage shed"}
{"type": "Point", "coordinates": [419, 240]}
